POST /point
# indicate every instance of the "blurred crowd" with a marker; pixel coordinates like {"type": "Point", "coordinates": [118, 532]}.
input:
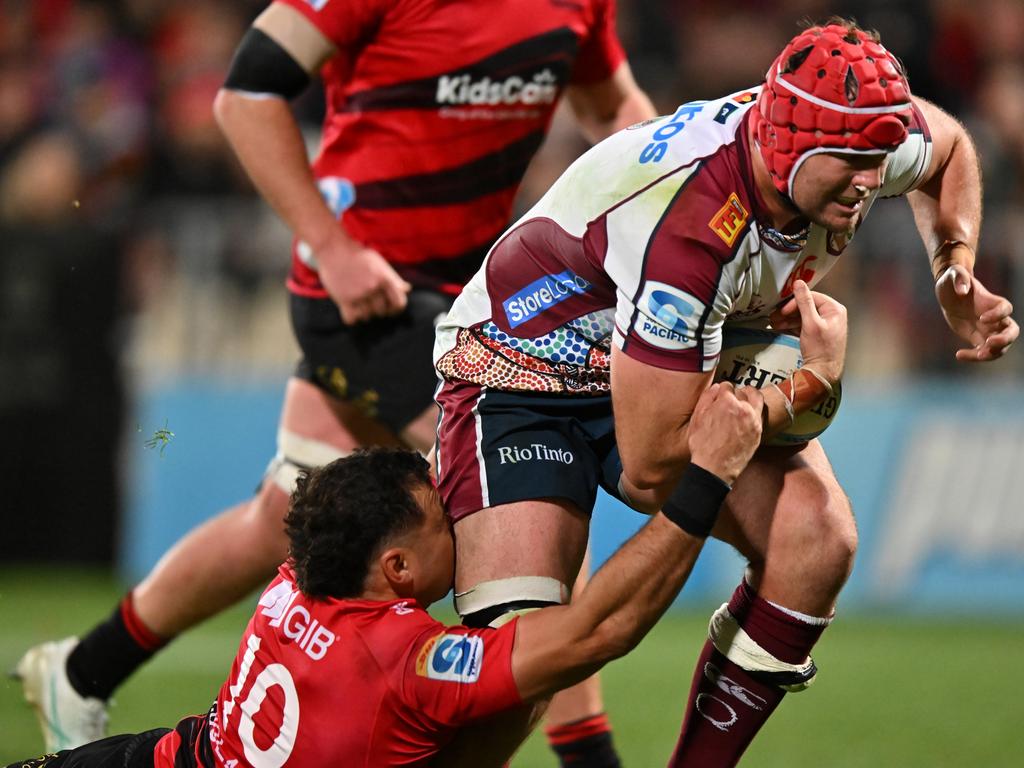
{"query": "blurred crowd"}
{"type": "Point", "coordinates": [129, 230]}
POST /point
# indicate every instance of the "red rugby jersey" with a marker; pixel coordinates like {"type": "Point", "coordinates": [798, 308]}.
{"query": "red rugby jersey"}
{"type": "Point", "coordinates": [434, 110]}
{"type": "Point", "coordinates": [347, 683]}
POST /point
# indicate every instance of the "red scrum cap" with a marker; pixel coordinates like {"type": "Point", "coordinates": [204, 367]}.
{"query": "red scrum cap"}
{"type": "Point", "coordinates": [832, 89]}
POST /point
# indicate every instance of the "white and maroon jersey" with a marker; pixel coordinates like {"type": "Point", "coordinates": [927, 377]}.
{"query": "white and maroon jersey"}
{"type": "Point", "coordinates": [434, 110]}
{"type": "Point", "coordinates": [345, 683]}
{"type": "Point", "coordinates": [653, 240]}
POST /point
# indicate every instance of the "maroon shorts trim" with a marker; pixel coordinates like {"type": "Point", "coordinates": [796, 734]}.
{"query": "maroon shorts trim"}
{"type": "Point", "coordinates": [460, 470]}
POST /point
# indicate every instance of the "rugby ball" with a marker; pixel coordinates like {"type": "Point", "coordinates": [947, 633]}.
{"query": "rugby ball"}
{"type": "Point", "coordinates": [758, 357]}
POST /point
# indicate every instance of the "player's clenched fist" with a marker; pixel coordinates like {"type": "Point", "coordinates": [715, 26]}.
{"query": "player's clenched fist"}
{"type": "Point", "coordinates": [725, 429]}
{"type": "Point", "coordinates": [361, 282]}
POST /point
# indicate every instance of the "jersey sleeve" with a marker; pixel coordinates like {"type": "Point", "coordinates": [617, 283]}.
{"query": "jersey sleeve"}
{"type": "Point", "coordinates": [601, 52]}
{"type": "Point", "coordinates": [670, 314]}
{"type": "Point", "coordinates": [906, 167]}
{"type": "Point", "coordinates": [460, 675]}
{"type": "Point", "coordinates": [343, 22]}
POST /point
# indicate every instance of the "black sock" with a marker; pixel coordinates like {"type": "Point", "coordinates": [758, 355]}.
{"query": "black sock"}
{"type": "Point", "coordinates": [111, 652]}
{"type": "Point", "coordinates": [586, 743]}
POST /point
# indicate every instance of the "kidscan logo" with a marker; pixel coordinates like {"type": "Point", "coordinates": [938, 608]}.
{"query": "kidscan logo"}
{"type": "Point", "coordinates": [463, 89]}
{"type": "Point", "coordinates": [541, 295]}
{"type": "Point", "coordinates": [513, 454]}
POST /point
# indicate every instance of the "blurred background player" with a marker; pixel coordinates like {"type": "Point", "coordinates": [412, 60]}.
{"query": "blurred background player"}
{"type": "Point", "coordinates": [341, 664]}
{"type": "Point", "coordinates": [433, 112]}
{"type": "Point", "coordinates": [614, 290]}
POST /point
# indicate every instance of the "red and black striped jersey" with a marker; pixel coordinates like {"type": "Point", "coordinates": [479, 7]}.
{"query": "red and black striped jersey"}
{"type": "Point", "coordinates": [434, 110]}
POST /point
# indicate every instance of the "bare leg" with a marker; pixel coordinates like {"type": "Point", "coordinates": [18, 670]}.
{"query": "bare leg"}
{"type": "Point", "coordinates": [583, 699]}
{"type": "Point", "coordinates": [531, 538]}
{"type": "Point", "coordinates": [227, 557]}
{"type": "Point", "coordinates": [790, 518]}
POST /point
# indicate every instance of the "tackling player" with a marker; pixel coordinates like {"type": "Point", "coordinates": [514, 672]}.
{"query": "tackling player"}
{"type": "Point", "coordinates": [434, 110]}
{"type": "Point", "coordinates": [597, 319]}
{"type": "Point", "coordinates": [341, 665]}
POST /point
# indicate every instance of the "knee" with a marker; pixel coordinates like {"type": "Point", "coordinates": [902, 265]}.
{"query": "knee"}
{"type": "Point", "coordinates": [830, 537]}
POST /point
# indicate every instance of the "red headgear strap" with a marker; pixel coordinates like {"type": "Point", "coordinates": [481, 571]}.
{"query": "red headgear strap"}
{"type": "Point", "coordinates": [830, 90]}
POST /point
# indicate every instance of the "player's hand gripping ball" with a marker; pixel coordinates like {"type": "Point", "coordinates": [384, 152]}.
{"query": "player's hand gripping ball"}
{"type": "Point", "coordinates": [759, 358]}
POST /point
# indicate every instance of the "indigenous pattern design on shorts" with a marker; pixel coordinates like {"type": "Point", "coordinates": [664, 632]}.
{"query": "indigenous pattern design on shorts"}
{"type": "Point", "coordinates": [571, 359]}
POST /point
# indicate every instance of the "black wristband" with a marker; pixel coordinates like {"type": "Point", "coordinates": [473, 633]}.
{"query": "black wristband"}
{"type": "Point", "coordinates": [695, 502]}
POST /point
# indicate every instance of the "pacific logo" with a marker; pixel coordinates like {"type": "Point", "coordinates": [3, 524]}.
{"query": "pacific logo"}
{"type": "Point", "coordinates": [668, 316]}
{"type": "Point", "coordinates": [540, 295]}
{"type": "Point", "coordinates": [670, 311]}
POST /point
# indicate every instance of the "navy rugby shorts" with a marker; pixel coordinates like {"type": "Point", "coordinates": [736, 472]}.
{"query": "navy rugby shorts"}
{"type": "Point", "coordinates": [383, 366]}
{"type": "Point", "coordinates": [499, 447]}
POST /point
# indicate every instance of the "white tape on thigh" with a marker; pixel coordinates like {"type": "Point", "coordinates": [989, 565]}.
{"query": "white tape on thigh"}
{"type": "Point", "coordinates": [741, 649]}
{"type": "Point", "coordinates": [295, 453]}
{"type": "Point", "coordinates": [487, 594]}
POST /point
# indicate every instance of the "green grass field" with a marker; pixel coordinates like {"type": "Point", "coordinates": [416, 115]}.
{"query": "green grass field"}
{"type": "Point", "coordinates": [891, 692]}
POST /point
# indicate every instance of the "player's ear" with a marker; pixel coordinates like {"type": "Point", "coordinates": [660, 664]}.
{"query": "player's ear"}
{"type": "Point", "coordinates": [394, 563]}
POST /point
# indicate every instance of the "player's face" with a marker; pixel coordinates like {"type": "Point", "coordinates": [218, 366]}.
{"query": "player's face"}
{"type": "Point", "coordinates": [435, 549]}
{"type": "Point", "coordinates": [830, 189]}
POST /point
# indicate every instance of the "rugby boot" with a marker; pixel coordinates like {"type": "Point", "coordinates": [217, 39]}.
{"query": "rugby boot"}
{"type": "Point", "coordinates": [68, 719]}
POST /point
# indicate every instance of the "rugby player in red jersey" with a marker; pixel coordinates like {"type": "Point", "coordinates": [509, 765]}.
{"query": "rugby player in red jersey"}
{"type": "Point", "coordinates": [341, 665]}
{"type": "Point", "coordinates": [434, 109]}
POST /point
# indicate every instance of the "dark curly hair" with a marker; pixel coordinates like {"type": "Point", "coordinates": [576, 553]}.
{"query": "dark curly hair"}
{"type": "Point", "coordinates": [341, 514]}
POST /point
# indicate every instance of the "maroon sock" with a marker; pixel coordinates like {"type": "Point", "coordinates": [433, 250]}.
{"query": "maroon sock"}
{"type": "Point", "coordinates": [728, 705]}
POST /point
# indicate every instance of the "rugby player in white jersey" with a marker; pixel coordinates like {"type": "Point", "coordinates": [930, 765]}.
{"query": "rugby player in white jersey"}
{"type": "Point", "coordinates": [613, 291]}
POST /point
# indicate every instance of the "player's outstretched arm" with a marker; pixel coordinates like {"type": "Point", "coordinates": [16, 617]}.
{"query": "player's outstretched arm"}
{"type": "Point", "coordinates": [273, 64]}
{"type": "Point", "coordinates": [560, 646]}
{"type": "Point", "coordinates": [947, 209]}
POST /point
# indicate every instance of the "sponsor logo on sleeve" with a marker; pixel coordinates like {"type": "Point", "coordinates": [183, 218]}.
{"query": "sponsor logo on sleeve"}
{"type": "Point", "coordinates": [541, 295]}
{"type": "Point", "coordinates": [658, 146]}
{"type": "Point", "coordinates": [276, 601]}
{"type": "Point", "coordinates": [317, 5]}
{"type": "Point", "coordinates": [728, 222]}
{"type": "Point", "coordinates": [668, 316]}
{"type": "Point", "coordinates": [454, 658]}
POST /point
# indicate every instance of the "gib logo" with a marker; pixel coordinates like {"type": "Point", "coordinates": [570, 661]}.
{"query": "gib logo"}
{"type": "Point", "coordinates": [668, 316]}
{"type": "Point", "coordinates": [541, 295]}
{"type": "Point", "coordinates": [456, 658]}
{"type": "Point", "coordinates": [463, 89]}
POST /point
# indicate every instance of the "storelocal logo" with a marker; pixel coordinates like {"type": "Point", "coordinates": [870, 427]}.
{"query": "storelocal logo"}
{"type": "Point", "coordinates": [540, 295]}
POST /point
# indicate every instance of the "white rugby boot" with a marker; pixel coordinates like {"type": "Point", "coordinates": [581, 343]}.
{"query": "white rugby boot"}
{"type": "Point", "coordinates": [68, 719]}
